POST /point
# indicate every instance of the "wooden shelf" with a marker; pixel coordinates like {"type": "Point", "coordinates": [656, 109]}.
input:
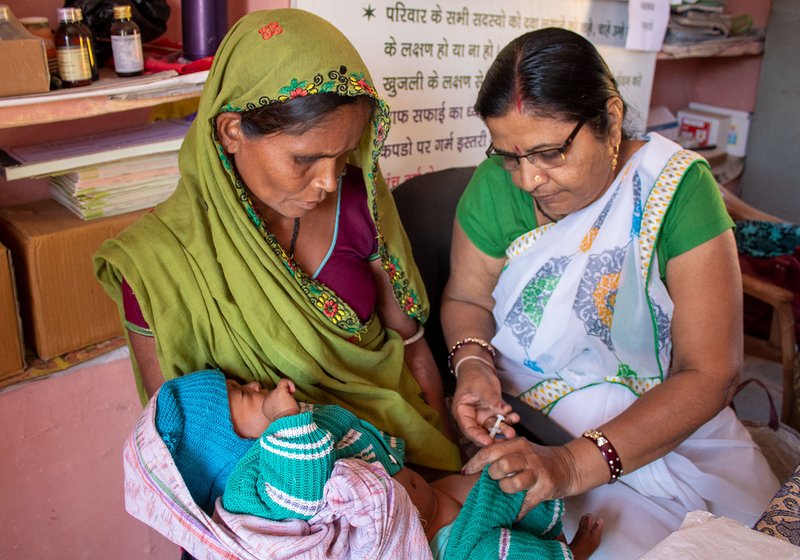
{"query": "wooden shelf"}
{"type": "Point", "coordinates": [72, 109]}
{"type": "Point", "coordinates": [712, 49]}
{"type": "Point", "coordinates": [107, 96]}
{"type": "Point", "coordinates": [728, 170]}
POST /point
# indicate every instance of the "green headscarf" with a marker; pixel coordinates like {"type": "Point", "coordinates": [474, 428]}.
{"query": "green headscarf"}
{"type": "Point", "coordinates": [219, 292]}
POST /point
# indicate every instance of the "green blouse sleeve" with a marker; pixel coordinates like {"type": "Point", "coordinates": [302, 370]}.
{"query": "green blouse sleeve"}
{"type": "Point", "coordinates": [493, 211]}
{"type": "Point", "coordinates": [696, 215]}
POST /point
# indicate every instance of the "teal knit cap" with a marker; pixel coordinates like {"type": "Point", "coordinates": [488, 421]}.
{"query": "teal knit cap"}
{"type": "Point", "coordinates": [193, 417]}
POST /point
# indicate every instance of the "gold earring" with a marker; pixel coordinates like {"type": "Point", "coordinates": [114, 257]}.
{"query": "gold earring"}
{"type": "Point", "coordinates": [537, 178]}
{"type": "Point", "coordinates": [615, 158]}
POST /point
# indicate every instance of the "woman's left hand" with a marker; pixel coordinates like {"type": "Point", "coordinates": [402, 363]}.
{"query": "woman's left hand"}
{"type": "Point", "coordinates": [544, 473]}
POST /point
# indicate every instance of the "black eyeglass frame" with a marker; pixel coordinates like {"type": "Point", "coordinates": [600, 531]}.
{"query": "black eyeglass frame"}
{"type": "Point", "coordinates": [530, 156]}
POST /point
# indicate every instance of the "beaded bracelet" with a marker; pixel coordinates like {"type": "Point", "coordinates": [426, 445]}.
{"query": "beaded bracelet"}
{"type": "Point", "coordinates": [608, 452]}
{"type": "Point", "coordinates": [414, 337]}
{"type": "Point", "coordinates": [463, 342]}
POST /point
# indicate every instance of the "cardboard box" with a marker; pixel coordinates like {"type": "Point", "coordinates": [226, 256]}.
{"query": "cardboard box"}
{"type": "Point", "coordinates": [740, 127]}
{"type": "Point", "coordinates": [23, 67]}
{"type": "Point", "coordinates": [63, 306]}
{"type": "Point", "coordinates": [702, 129]}
{"type": "Point", "coordinates": [12, 354]}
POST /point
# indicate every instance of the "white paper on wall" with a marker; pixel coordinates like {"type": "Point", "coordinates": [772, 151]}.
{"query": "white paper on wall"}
{"type": "Point", "coordinates": [647, 24]}
{"type": "Point", "coordinates": [428, 60]}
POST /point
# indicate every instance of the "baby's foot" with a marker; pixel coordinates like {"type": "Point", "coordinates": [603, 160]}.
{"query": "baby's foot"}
{"type": "Point", "coordinates": [587, 537]}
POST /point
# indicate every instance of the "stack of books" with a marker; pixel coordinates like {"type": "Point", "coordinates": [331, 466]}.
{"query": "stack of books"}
{"type": "Point", "coordinates": [116, 187]}
{"type": "Point", "coordinates": [105, 174]}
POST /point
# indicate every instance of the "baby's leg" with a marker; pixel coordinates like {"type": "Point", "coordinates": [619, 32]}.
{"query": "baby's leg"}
{"type": "Point", "coordinates": [587, 537]}
{"type": "Point", "coordinates": [456, 486]}
{"type": "Point", "coordinates": [436, 508]}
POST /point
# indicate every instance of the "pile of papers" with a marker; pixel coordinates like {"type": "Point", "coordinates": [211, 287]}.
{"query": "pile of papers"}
{"type": "Point", "coordinates": [702, 28]}
{"type": "Point", "coordinates": [105, 174]}
{"type": "Point", "coordinates": [114, 188]}
{"type": "Point", "coordinates": [691, 22]}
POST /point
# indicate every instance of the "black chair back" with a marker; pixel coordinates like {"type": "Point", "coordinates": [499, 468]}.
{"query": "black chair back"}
{"type": "Point", "coordinates": [427, 207]}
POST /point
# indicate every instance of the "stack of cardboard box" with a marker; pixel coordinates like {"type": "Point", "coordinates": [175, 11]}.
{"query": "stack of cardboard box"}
{"type": "Point", "coordinates": [12, 358]}
{"type": "Point", "coordinates": [63, 307]}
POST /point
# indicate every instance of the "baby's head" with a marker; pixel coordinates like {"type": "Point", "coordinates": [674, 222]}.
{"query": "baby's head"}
{"type": "Point", "coordinates": [253, 408]}
{"type": "Point", "coordinates": [196, 415]}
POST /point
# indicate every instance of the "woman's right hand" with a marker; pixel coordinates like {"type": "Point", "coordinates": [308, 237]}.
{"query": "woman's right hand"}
{"type": "Point", "coordinates": [477, 402]}
{"type": "Point", "coordinates": [543, 473]}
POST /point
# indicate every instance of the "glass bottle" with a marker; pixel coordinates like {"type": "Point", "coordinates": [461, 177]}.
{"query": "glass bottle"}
{"type": "Point", "coordinates": [10, 27]}
{"type": "Point", "coordinates": [126, 43]}
{"type": "Point", "coordinates": [72, 50]}
{"type": "Point", "coordinates": [92, 50]}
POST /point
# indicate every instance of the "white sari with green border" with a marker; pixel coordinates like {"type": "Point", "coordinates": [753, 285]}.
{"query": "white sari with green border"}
{"type": "Point", "coordinates": [583, 329]}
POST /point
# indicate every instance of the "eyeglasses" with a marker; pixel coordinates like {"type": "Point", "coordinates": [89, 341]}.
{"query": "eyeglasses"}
{"type": "Point", "coordinates": [546, 158]}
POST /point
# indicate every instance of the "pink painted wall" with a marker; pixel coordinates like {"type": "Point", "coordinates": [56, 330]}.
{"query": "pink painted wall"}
{"type": "Point", "coordinates": [61, 472]}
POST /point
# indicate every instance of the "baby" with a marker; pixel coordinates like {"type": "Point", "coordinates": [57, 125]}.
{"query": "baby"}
{"type": "Point", "coordinates": [268, 455]}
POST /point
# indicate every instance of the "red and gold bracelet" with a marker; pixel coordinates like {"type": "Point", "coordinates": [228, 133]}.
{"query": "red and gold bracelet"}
{"type": "Point", "coordinates": [469, 340]}
{"type": "Point", "coordinates": [609, 453]}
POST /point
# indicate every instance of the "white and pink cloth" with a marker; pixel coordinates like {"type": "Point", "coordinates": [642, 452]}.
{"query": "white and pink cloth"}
{"type": "Point", "coordinates": [366, 513]}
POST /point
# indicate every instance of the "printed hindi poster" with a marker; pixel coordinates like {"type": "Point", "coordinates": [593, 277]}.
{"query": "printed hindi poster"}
{"type": "Point", "coordinates": [428, 60]}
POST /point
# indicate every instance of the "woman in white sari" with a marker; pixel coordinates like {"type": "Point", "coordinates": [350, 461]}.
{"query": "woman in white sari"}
{"type": "Point", "coordinates": [595, 277]}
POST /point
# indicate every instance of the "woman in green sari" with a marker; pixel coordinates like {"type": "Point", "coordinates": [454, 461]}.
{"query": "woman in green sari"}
{"type": "Point", "coordinates": [281, 253]}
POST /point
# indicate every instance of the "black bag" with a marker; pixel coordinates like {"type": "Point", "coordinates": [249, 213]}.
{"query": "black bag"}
{"type": "Point", "coordinates": [150, 15]}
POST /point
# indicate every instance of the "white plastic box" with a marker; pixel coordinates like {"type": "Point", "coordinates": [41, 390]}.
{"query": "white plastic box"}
{"type": "Point", "coordinates": [740, 127]}
{"type": "Point", "coordinates": [703, 129]}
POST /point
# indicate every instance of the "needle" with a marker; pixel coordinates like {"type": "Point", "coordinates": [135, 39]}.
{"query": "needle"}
{"type": "Point", "coordinates": [496, 428]}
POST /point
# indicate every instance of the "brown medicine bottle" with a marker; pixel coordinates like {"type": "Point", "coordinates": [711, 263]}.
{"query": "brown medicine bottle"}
{"type": "Point", "coordinates": [126, 43]}
{"type": "Point", "coordinates": [90, 37]}
{"type": "Point", "coordinates": [72, 50]}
